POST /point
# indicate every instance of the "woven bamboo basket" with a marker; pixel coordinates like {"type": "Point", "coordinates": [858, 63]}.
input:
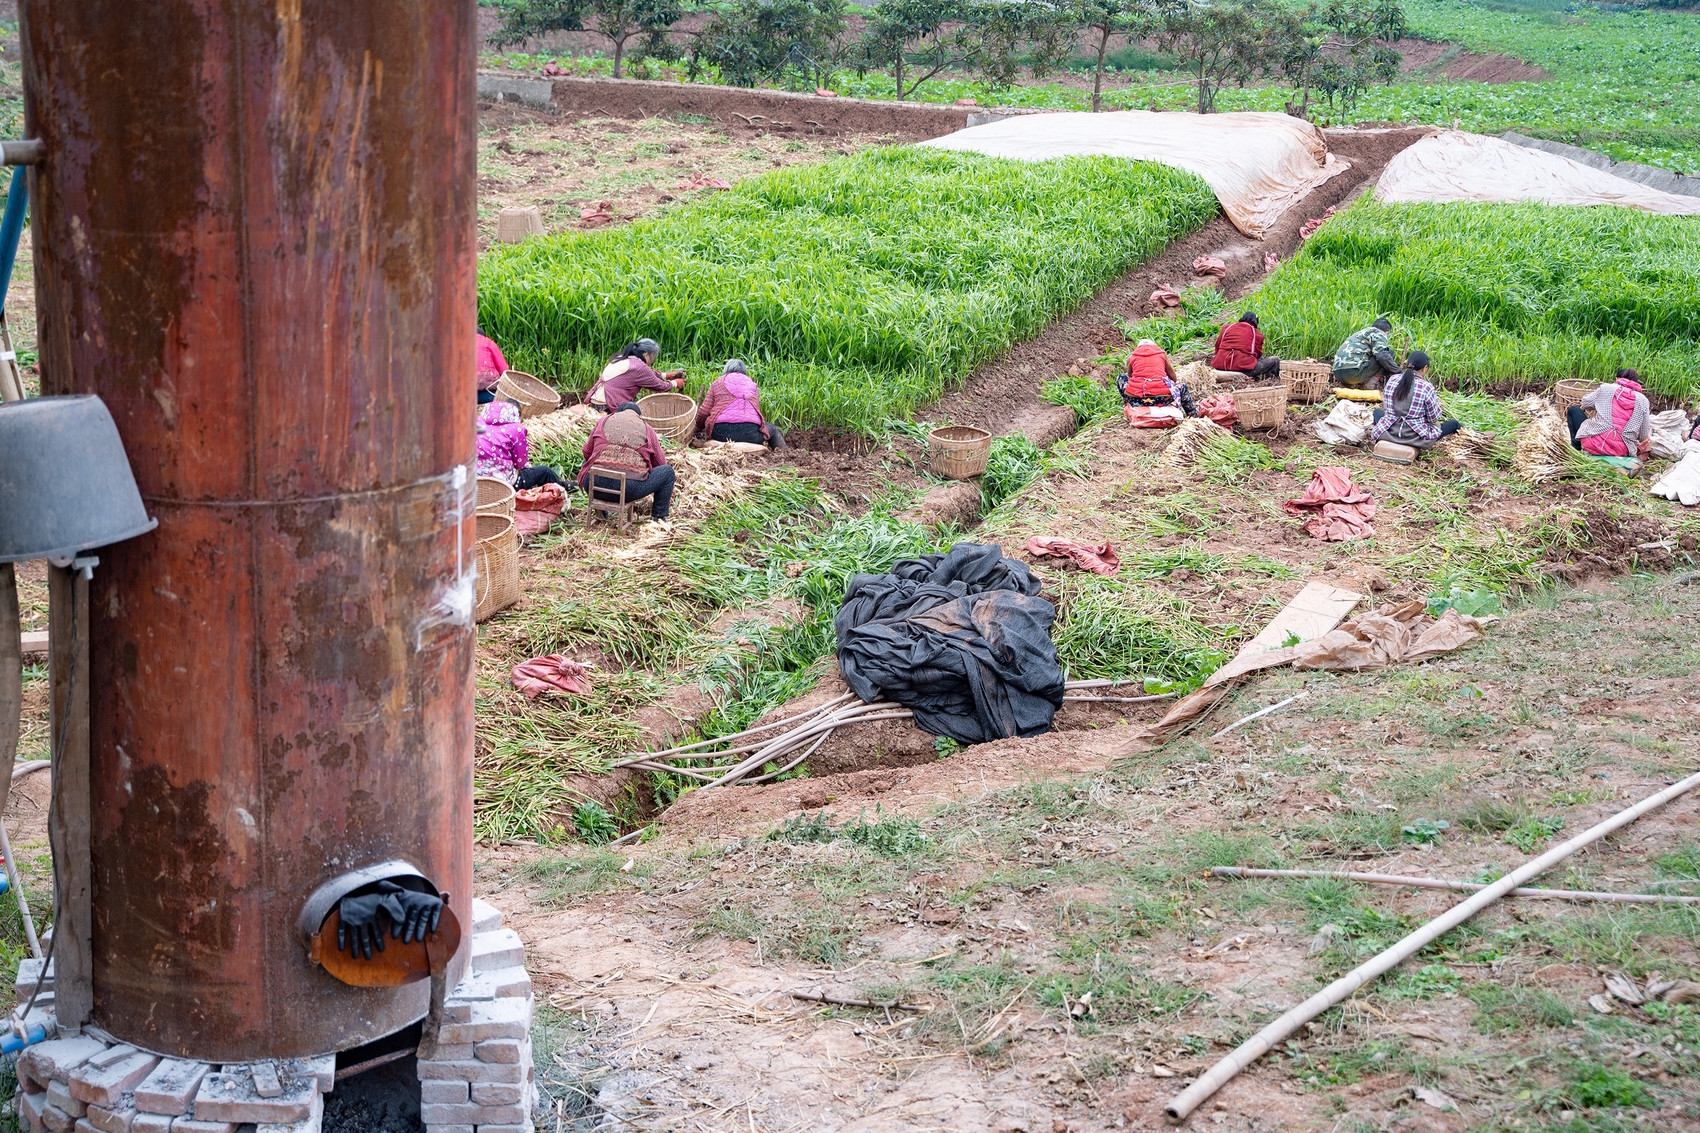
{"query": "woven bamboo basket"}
{"type": "Point", "coordinates": [959, 452]}
{"type": "Point", "coordinates": [495, 558]}
{"type": "Point", "coordinates": [1571, 391]}
{"type": "Point", "coordinates": [514, 225]}
{"type": "Point", "coordinates": [1306, 381]}
{"type": "Point", "coordinates": [495, 497]}
{"type": "Point", "coordinates": [535, 397]}
{"type": "Point", "coordinates": [1261, 408]}
{"type": "Point", "coordinates": [672, 415]}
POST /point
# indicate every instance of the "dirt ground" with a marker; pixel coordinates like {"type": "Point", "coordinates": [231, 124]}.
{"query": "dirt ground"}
{"type": "Point", "coordinates": [528, 158]}
{"type": "Point", "coordinates": [1014, 879]}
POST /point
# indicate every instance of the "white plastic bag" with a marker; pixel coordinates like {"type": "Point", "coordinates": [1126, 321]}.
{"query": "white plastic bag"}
{"type": "Point", "coordinates": [1682, 483]}
{"type": "Point", "coordinates": [1670, 431]}
{"type": "Point", "coordinates": [1348, 424]}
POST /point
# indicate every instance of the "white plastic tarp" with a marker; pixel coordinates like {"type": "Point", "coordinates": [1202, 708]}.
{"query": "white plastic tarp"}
{"type": "Point", "coordinates": [1455, 166]}
{"type": "Point", "coordinates": [1257, 164]}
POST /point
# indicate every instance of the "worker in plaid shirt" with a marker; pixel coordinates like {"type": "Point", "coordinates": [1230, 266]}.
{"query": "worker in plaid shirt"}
{"type": "Point", "coordinates": [1412, 409]}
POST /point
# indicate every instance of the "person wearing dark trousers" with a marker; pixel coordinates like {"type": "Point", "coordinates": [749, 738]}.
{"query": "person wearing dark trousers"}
{"type": "Point", "coordinates": [1239, 348]}
{"type": "Point", "coordinates": [1622, 422]}
{"type": "Point", "coordinates": [731, 410]}
{"type": "Point", "coordinates": [1413, 416]}
{"type": "Point", "coordinates": [537, 475]}
{"type": "Point", "coordinates": [1366, 358]}
{"type": "Point", "coordinates": [624, 442]}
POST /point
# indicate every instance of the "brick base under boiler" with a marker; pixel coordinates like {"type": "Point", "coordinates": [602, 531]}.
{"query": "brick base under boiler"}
{"type": "Point", "coordinates": [480, 1079]}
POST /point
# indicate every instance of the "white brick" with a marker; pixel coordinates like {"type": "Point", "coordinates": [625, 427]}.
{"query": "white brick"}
{"type": "Point", "coordinates": [309, 1124]}
{"type": "Point", "coordinates": [55, 1119]}
{"type": "Point", "coordinates": [509, 982]}
{"type": "Point", "coordinates": [476, 1114]}
{"type": "Point", "coordinates": [29, 971]}
{"type": "Point", "coordinates": [526, 1128]}
{"type": "Point", "coordinates": [29, 1110]}
{"type": "Point", "coordinates": [497, 1019]}
{"type": "Point", "coordinates": [502, 1050]}
{"type": "Point", "coordinates": [444, 1093]}
{"type": "Point", "coordinates": [151, 1123]}
{"type": "Point", "coordinates": [111, 1120]}
{"type": "Point", "coordinates": [266, 1081]}
{"type": "Point", "coordinates": [500, 949]}
{"type": "Point", "coordinates": [191, 1125]}
{"type": "Point", "coordinates": [470, 1072]}
{"type": "Point", "coordinates": [454, 1052]}
{"type": "Point", "coordinates": [485, 916]}
{"type": "Point", "coordinates": [322, 1069]}
{"type": "Point", "coordinates": [108, 1084]}
{"type": "Point", "coordinates": [452, 1129]}
{"type": "Point", "coordinates": [83, 1126]}
{"type": "Point", "coordinates": [56, 1058]}
{"type": "Point", "coordinates": [58, 1094]}
{"type": "Point", "coordinates": [498, 1093]}
{"type": "Point", "coordinates": [110, 1055]}
{"type": "Point", "coordinates": [229, 1096]}
{"type": "Point", "coordinates": [170, 1089]}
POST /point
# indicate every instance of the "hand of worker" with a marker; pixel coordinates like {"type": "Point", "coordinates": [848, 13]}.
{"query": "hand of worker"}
{"type": "Point", "coordinates": [413, 915]}
{"type": "Point", "coordinates": [678, 383]}
{"type": "Point", "coordinates": [357, 920]}
{"type": "Point", "coordinates": [676, 375]}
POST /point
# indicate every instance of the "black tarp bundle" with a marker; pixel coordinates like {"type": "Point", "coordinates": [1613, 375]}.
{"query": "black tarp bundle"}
{"type": "Point", "coordinates": [962, 638]}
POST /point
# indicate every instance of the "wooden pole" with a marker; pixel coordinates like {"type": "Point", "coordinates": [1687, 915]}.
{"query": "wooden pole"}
{"type": "Point", "coordinates": [68, 820]}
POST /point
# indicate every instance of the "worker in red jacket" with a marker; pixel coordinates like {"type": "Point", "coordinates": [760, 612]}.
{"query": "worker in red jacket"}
{"type": "Point", "coordinates": [1240, 347]}
{"type": "Point", "coordinates": [1152, 395]}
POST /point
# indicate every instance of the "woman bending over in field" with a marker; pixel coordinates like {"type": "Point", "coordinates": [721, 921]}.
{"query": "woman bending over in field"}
{"type": "Point", "coordinates": [1622, 422]}
{"type": "Point", "coordinates": [632, 369]}
{"type": "Point", "coordinates": [1152, 396]}
{"type": "Point", "coordinates": [731, 410]}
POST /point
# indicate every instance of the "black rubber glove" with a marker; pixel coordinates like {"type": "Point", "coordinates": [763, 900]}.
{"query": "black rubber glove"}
{"type": "Point", "coordinates": [357, 919]}
{"type": "Point", "coordinates": [413, 915]}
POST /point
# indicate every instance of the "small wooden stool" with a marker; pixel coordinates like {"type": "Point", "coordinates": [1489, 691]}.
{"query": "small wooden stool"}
{"type": "Point", "coordinates": [610, 503]}
{"type": "Point", "coordinates": [1394, 452]}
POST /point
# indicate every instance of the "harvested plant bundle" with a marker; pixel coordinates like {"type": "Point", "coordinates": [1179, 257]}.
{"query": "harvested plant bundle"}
{"type": "Point", "coordinates": [1490, 447]}
{"type": "Point", "coordinates": [1544, 451]}
{"type": "Point", "coordinates": [1188, 442]}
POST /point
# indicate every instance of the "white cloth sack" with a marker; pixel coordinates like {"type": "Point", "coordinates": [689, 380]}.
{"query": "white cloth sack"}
{"type": "Point", "coordinates": [1682, 483]}
{"type": "Point", "coordinates": [1455, 166]}
{"type": "Point", "coordinates": [1348, 424]}
{"type": "Point", "coordinates": [1670, 433]}
{"type": "Point", "coordinates": [1257, 164]}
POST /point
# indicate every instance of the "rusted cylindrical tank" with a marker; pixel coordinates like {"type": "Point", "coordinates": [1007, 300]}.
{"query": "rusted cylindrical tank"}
{"type": "Point", "coordinates": [254, 238]}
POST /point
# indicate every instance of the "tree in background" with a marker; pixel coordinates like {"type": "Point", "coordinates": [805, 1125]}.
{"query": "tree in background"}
{"type": "Point", "coordinates": [997, 39]}
{"type": "Point", "coordinates": [618, 21]}
{"type": "Point", "coordinates": [1229, 42]}
{"type": "Point", "coordinates": [1341, 48]}
{"type": "Point", "coordinates": [795, 42]}
{"type": "Point", "coordinates": [1099, 21]}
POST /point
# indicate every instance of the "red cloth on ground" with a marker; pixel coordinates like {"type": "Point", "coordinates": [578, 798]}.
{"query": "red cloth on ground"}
{"type": "Point", "coordinates": [554, 673]}
{"type": "Point", "coordinates": [1099, 558]}
{"type": "Point", "coordinates": [1165, 297]}
{"type": "Point", "coordinates": [1220, 408]}
{"type": "Point", "coordinates": [1338, 510]}
{"type": "Point", "coordinates": [536, 508]}
{"type": "Point", "coordinates": [1209, 265]}
{"type": "Point", "coordinates": [1238, 347]}
{"type": "Point", "coordinates": [1153, 416]}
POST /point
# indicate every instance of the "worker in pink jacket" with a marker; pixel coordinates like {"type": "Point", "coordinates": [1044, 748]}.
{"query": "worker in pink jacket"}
{"type": "Point", "coordinates": [731, 410]}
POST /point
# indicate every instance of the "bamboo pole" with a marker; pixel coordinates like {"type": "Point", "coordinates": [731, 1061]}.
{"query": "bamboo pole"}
{"type": "Point", "coordinates": [1266, 1039]}
{"type": "Point", "coordinates": [1456, 886]}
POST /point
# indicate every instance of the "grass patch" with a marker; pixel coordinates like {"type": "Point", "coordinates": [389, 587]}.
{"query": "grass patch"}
{"type": "Point", "coordinates": [1498, 293]}
{"type": "Point", "coordinates": [1091, 400]}
{"type": "Point", "coordinates": [1507, 1010]}
{"type": "Point", "coordinates": [857, 288]}
{"type": "Point", "coordinates": [1109, 628]}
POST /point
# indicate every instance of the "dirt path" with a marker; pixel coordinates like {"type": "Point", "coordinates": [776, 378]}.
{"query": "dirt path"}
{"type": "Point", "coordinates": [1003, 394]}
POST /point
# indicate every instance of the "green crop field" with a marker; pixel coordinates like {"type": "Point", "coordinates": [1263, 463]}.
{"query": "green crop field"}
{"type": "Point", "coordinates": [857, 289]}
{"type": "Point", "coordinates": [1496, 293]}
